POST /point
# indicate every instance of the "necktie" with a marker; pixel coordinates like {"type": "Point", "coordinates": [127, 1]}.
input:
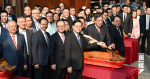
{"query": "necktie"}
{"type": "Point", "coordinates": [74, 18]}
{"type": "Point", "coordinates": [63, 38]}
{"type": "Point", "coordinates": [14, 41]}
{"type": "Point", "coordinates": [98, 30]}
{"type": "Point", "coordinates": [106, 23]}
{"type": "Point", "coordinates": [119, 32]}
{"type": "Point", "coordinates": [47, 41]}
{"type": "Point", "coordinates": [79, 40]}
{"type": "Point", "coordinates": [4, 25]}
{"type": "Point", "coordinates": [124, 17]}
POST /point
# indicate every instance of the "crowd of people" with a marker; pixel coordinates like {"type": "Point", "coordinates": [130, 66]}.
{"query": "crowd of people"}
{"type": "Point", "coordinates": [49, 43]}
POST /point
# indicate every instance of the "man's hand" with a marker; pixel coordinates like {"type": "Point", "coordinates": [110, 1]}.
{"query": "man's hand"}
{"type": "Point", "coordinates": [102, 44]}
{"type": "Point", "coordinates": [36, 66]}
{"type": "Point", "coordinates": [129, 33]}
{"type": "Point", "coordinates": [111, 46]}
{"type": "Point", "coordinates": [25, 67]}
{"type": "Point", "coordinates": [141, 34]}
{"type": "Point", "coordinates": [69, 69]}
{"type": "Point", "coordinates": [53, 66]}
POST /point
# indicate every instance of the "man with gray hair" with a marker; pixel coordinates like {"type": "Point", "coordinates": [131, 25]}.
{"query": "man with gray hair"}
{"type": "Point", "coordinates": [13, 48]}
{"type": "Point", "coordinates": [35, 18]}
{"type": "Point", "coordinates": [21, 22]}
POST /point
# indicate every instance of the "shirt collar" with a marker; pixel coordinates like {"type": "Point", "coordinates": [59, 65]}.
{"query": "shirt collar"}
{"type": "Point", "coordinates": [76, 34]}
{"type": "Point", "coordinates": [96, 26]}
{"type": "Point", "coordinates": [13, 35]}
{"type": "Point", "coordinates": [60, 33]}
{"type": "Point", "coordinates": [9, 15]}
{"type": "Point", "coordinates": [43, 31]}
{"type": "Point", "coordinates": [20, 31]}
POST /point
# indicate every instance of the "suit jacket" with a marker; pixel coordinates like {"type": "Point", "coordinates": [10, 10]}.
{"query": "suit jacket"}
{"type": "Point", "coordinates": [17, 57]}
{"type": "Point", "coordinates": [70, 21]}
{"type": "Point", "coordinates": [102, 37]}
{"type": "Point", "coordinates": [29, 34]}
{"type": "Point", "coordinates": [73, 52]}
{"type": "Point", "coordinates": [33, 24]}
{"type": "Point", "coordinates": [40, 49]}
{"type": "Point", "coordinates": [13, 18]}
{"type": "Point", "coordinates": [142, 24]}
{"type": "Point", "coordinates": [144, 16]}
{"type": "Point", "coordinates": [100, 6]}
{"type": "Point", "coordinates": [57, 50]}
{"type": "Point", "coordinates": [3, 33]}
{"type": "Point", "coordinates": [117, 39]}
{"type": "Point", "coordinates": [127, 25]}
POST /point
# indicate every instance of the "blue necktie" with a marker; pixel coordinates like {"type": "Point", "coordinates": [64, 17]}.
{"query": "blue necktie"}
{"type": "Point", "coordinates": [79, 40]}
{"type": "Point", "coordinates": [106, 23]}
{"type": "Point", "coordinates": [47, 40]}
{"type": "Point", "coordinates": [119, 32]}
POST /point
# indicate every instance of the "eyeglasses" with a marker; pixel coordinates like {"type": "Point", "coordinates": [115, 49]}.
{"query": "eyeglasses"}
{"type": "Point", "coordinates": [44, 24]}
{"type": "Point", "coordinates": [99, 20]}
{"type": "Point", "coordinates": [35, 13]}
{"type": "Point", "coordinates": [61, 26]}
{"type": "Point", "coordinates": [50, 16]}
{"type": "Point", "coordinates": [118, 21]}
{"type": "Point", "coordinates": [77, 26]}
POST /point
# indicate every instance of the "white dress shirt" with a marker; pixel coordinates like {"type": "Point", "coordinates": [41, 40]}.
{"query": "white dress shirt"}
{"type": "Point", "coordinates": [0, 31]}
{"type": "Point", "coordinates": [124, 16]}
{"type": "Point", "coordinates": [25, 36]}
{"type": "Point", "coordinates": [15, 37]}
{"type": "Point", "coordinates": [60, 34]}
{"type": "Point", "coordinates": [9, 17]}
{"type": "Point", "coordinates": [73, 18]}
{"type": "Point", "coordinates": [36, 25]}
{"type": "Point", "coordinates": [76, 35]}
{"type": "Point", "coordinates": [147, 21]}
{"type": "Point", "coordinates": [138, 17]}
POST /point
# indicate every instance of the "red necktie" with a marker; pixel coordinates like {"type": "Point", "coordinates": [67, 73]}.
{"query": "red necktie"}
{"type": "Point", "coordinates": [63, 38]}
{"type": "Point", "coordinates": [4, 25]}
{"type": "Point", "coordinates": [14, 41]}
{"type": "Point", "coordinates": [98, 30]}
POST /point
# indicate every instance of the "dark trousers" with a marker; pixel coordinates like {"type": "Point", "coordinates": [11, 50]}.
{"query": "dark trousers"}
{"type": "Point", "coordinates": [18, 72]}
{"type": "Point", "coordinates": [60, 73]}
{"type": "Point", "coordinates": [42, 72]}
{"type": "Point", "coordinates": [146, 35]}
{"type": "Point", "coordinates": [29, 72]}
{"type": "Point", "coordinates": [76, 74]}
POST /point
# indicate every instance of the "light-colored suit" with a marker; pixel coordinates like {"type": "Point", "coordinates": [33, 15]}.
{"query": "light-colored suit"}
{"type": "Point", "coordinates": [136, 29]}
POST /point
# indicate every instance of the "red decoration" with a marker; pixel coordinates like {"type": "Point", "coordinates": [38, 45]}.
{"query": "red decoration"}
{"type": "Point", "coordinates": [116, 51]}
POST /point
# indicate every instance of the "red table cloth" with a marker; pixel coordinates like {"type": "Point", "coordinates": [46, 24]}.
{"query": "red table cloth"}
{"type": "Point", "coordinates": [131, 50]}
{"type": "Point", "coordinates": [18, 77]}
{"type": "Point", "coordinates": [96, 72]}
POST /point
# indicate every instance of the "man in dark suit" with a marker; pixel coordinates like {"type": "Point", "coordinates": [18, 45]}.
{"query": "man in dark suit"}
{"type": "Point", "coordinates": [45, 9]}
{"type": "Point", "coordinates": [100, 5]}
{"type": "Point", "coordinates": [40, 50]}
{"type": "Point", "coordinates": [146, 32]}
{"type": "Point", "coordinates": [83, 24]}
{"type": "Point", "coordinates": [35, 18]}
{"type": "Point", "coordinates": [4, 18]}
{"type": "Point", "coordinates": [8, 8]}
{"type": "Point", "coordinates": [142, 23]}
{"type": "Point", "coordinates": [3, 31]}
{"type": "Point", "coordinates": [99, 32]}
{"type": "Point", "coordinates": [116, 35]}
{"type": "Point", "coordinates": [74, 48]}
{"type": "Point", "coordinates": [106, 21]}
{"type": "Point", "coordinates": [126, 20]}
{"type": "Point", "coordinates": [114, 12]}
{"type": "Point", "coordinates": [72, 17]}
{"type": "Point", "coordinates": [21, 21]}
{"type": "Point", "coordinates": [57, 51]}
{"type": "Point", "coordinates": [14, 49]}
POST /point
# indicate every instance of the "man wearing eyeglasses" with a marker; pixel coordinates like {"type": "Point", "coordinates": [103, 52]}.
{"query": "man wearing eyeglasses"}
{"type": "Point", "coordinates": [116, 35]}
{"type": "Point", "coordinates": [35, 18]}
{"type": "Point", "coordinates": [106, 21]}
{"type": "Point", "coordinates": [40, 50]}
{"type": "Point", "coordinates": [51, 25]}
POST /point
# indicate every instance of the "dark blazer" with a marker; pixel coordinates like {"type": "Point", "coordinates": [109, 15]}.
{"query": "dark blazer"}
{"type": "Point", "coordinates": [33, 24]}
{"type": "Point", "coordinates": [117, 39]}
{"type": "Point", "coordinates": [40, 49]}
{"type": "Point", "coordinates": [57, 51]}
{"type": "Point", "coordinates": [73, 52]}
{"type": "Point", "coordinates": [102, 37]}
{"type": "Point", "coordinates": [3, 33]}
{"type": "Point", "coordinates": [70, 22]}
{"type": "Point", "coordinates": [142, 24]}
{"type": "Point", "coordinates": [100, 6]}
{"type": "Point", "coordinates": [144, 17]}
{"type": "Point", "coordinates": [14, 56]}
{"type": "Point", "coordinates": [29, 34]}
{"type": "Point", "coordinates": [13, 18]}
{"type": "Point", "coordinates": [127, 25]}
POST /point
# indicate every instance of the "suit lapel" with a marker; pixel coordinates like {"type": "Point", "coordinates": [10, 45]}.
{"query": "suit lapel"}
{"type": "Point", "coordinates": [18, 41]}
{"type": "Point", "coordinates": [42, 36]}
{"type": "Point", "coordinates": [101, 32]}
{"type": "Point", "coordinates": [76, 40]}
{"type": "Point", "coordinates": [10, 41]}
{"type": "Point", "coordinates": [59, 38]}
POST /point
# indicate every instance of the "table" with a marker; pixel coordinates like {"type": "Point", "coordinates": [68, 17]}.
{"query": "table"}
{"type": "Point", "coordinates": [131, 50]}
{"type": "Point", "coordinates": [96, 72]}
{"type": "Point", "coordinates": [18, 77]}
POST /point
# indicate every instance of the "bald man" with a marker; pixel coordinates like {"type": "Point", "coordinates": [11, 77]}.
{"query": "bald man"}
{"type": "Point", "coordinates": [13, 47]}
{"type": "Point", "coordinates": [27, 11]}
